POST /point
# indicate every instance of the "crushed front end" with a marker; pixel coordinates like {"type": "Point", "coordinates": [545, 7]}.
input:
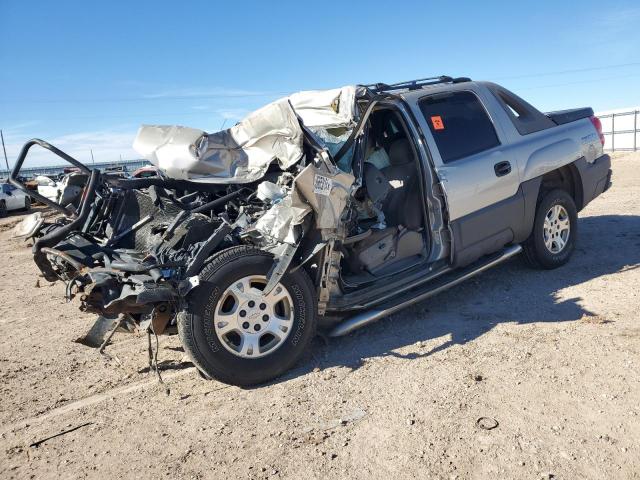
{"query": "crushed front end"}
{"type": "Point", "coordinates": [135, 247]}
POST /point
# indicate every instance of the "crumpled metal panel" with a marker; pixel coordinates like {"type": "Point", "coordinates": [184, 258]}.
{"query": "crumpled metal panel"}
{"type": "Point", "coordinates": [326, 108]}
{"type": "Point", "coordinates": [243, 153]}
{"type": "Point", "coordinates": [326, 189]}
{"type": "Point", "coordinates": [279, 222]}
{"type": "Point", "coordinates": [240, 154]}
{"type": "Point", "coordinates": [173, 149]}
{"type": "Point", "coordinates": [322, 189]}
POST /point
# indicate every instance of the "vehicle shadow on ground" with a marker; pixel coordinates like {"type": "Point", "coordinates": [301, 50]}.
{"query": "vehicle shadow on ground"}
{"type": "Point", "coordinates": [608, 244]}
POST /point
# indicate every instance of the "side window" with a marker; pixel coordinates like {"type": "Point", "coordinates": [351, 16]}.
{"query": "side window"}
{"type": "Point", "coordinates": [525, 118]}
{"type": "Point", "coordinates": [459, 124]}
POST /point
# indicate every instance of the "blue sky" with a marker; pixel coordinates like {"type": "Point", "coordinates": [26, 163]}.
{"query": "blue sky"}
{"type": "Point", "coordinates": [86, 74]}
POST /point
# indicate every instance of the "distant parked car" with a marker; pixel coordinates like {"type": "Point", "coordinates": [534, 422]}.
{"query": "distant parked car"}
{"type": "Point", "coordinates": [13, 199]}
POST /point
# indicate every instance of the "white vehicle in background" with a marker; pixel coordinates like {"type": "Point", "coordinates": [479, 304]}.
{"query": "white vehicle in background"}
{"type": "Point", "coordinates": [13, 199]}
{"type": "Point", "coordinates": [47, 187]}
{"type": "Point", "coordinates": [64, 192]}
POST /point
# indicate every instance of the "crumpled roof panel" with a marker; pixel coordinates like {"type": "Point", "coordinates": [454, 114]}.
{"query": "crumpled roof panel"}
{"type": "Point", "coordinates": [243, 153]}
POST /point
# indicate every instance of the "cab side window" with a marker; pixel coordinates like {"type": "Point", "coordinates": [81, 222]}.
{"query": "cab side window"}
{"type": "Point", "coordinates": [459, 124]}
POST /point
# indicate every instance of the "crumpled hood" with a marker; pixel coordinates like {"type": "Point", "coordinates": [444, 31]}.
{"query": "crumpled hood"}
{"type": "Point", "coordinates": [243, 153]}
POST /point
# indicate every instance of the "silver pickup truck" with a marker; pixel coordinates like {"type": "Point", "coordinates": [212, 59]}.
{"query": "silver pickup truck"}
{"type": "Point", "coordinates": [323, 210]}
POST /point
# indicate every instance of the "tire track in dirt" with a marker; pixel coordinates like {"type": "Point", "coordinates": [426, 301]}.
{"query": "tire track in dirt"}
{"type": "Point", "coordinates": [92, 400]}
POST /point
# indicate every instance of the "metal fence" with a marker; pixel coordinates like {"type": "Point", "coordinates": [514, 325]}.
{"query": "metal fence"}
{"type": "Point", "coordinates": [30, 172]}
{"type": "Point", "coordinates": [621, 130]}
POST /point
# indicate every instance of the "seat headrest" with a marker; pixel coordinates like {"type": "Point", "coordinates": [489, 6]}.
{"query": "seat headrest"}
{"type": "Point", "coordinates": [400, 152]}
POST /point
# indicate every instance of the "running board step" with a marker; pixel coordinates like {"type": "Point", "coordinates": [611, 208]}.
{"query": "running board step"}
{"type": "Point", "coordinates": [360, 320]}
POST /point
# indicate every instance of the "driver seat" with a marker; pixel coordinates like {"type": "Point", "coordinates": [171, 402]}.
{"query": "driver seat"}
{"type": "Point", "coordinates": [400, 207]}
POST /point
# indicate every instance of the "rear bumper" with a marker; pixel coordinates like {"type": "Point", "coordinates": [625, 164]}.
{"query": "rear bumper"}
{"type": "Point", "coordinates": [608, 183]}
{"type": "Point", "coordinates": [596, 177]}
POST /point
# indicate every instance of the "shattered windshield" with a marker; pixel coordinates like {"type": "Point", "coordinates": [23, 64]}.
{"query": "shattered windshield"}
{"type": "Point", "coordinates": [333, 138]}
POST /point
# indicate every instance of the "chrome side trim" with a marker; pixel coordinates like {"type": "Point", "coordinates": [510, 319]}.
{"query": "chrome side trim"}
{"type": "Point", "coordinates": [360, 320]}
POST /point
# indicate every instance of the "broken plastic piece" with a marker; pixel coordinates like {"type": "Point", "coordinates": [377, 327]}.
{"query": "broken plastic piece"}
{"type": "Point", "coordinates": [270, 192]}
{"type": "Point", "coordinates": [28, 227]}
{"type": "Point", "coordinates": [96, 335]}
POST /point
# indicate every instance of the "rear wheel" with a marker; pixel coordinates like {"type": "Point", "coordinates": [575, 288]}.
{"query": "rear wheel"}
{"type": "Point", "coordinates": [27, 203]}
{"type": "Point", "coordinates": [3, 209]}
{"type": "Point", "coordinates": [555, 231]}
{"type": "Point", "coordinates": [235, 333]}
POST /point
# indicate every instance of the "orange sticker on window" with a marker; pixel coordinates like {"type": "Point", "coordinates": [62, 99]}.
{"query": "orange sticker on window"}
{"type": "Point", "coordinates": [436, 120]}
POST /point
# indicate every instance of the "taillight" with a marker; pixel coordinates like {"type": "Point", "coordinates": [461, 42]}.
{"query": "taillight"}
{"type": "Point", "coordinates": [598, 126]}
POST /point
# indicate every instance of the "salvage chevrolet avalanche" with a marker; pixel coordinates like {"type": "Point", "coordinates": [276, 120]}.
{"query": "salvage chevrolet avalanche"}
{"type": "Point", "coordinates": [323, 210]}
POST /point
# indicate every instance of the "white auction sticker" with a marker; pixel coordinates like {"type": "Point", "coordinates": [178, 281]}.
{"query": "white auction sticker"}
{"type": "Point", "coordinates": [322, 185]}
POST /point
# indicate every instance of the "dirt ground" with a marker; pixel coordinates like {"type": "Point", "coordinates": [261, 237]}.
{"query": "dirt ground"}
{"type": "Point", "coordinates": [552, 357]}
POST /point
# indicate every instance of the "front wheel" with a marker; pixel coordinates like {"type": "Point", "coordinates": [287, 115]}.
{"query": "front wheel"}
{"type": "Point", "coordinates": [27, 204]}
{"type": "Point", "coordinates": [3, 209]}
{"type": "Point", "coordinates": [555, 231]}
{"type": "Point", "coordinates": [235, 333]}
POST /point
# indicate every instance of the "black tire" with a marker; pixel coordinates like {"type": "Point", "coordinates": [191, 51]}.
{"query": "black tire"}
{"type": "Point", "coordinates": [536, 252]}
{"type": "Point", "coordinates": [196, 325]}
{"type": "Point", "coordinates": [27, 204]}
{"type": "Point", "coordinates": [3, 209]}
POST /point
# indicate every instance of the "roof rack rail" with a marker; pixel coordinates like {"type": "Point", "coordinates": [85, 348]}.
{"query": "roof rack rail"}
{"type": "Point", "coordinates": [415, 84]}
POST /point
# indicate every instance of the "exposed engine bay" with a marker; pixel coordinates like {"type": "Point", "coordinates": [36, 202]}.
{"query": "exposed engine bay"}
{"type": "Point", "coordinates": [136, 246]}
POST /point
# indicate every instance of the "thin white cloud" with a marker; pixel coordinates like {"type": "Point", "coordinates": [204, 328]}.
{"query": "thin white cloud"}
{"type": "Point", "coordinates": [613, 34]}
{"type": "Point", "coordinates": [232, 113]}
{"type": "Point", "coordinates": [107, 145]}
{"type": "Point", "coordinates": [619, 21]}
{"type": "Point", "coordinates": [215, 92]}
{"type": "Point", "coordinates": [19, 127]}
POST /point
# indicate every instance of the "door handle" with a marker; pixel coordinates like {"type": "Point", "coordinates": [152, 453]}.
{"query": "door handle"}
{"type": "Point", "coordinates": [502, 169]}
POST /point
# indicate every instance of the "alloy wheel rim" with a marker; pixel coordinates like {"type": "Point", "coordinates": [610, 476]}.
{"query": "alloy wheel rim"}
{"type": "Point", "coordinates": [557, 229]}
{"type": "Point", "coordinates": [250, 324]}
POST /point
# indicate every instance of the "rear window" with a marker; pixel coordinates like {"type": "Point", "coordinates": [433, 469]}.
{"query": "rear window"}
{"type": "Point", "coordinates": [459, 124]}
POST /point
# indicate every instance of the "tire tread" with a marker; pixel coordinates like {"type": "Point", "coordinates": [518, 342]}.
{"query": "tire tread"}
{"type": "Point", "coordinates": [186, 319]}
{"type": "Point", "coordinates": [536, 255]}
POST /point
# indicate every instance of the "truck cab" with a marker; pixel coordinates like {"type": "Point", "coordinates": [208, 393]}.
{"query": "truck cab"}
{"type": "Point", "coordinates": [467, 165]}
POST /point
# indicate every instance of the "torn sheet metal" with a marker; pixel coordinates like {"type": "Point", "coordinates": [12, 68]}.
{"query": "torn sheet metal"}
{"type": "Point", "coordinates": [270, 192]}
{"type": "Point", "coordinates": [243, 153]}
{"type": "Point", "coordinates": [279, 222]}
{"type": "Point", "coordinates": [240, 154]}
{"type": "Point", "coordinates": [326, 108]}
{"type": "Point", "coordinates": [322, 188]}
{"type": "Point", "coordinates": [326, 189]}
